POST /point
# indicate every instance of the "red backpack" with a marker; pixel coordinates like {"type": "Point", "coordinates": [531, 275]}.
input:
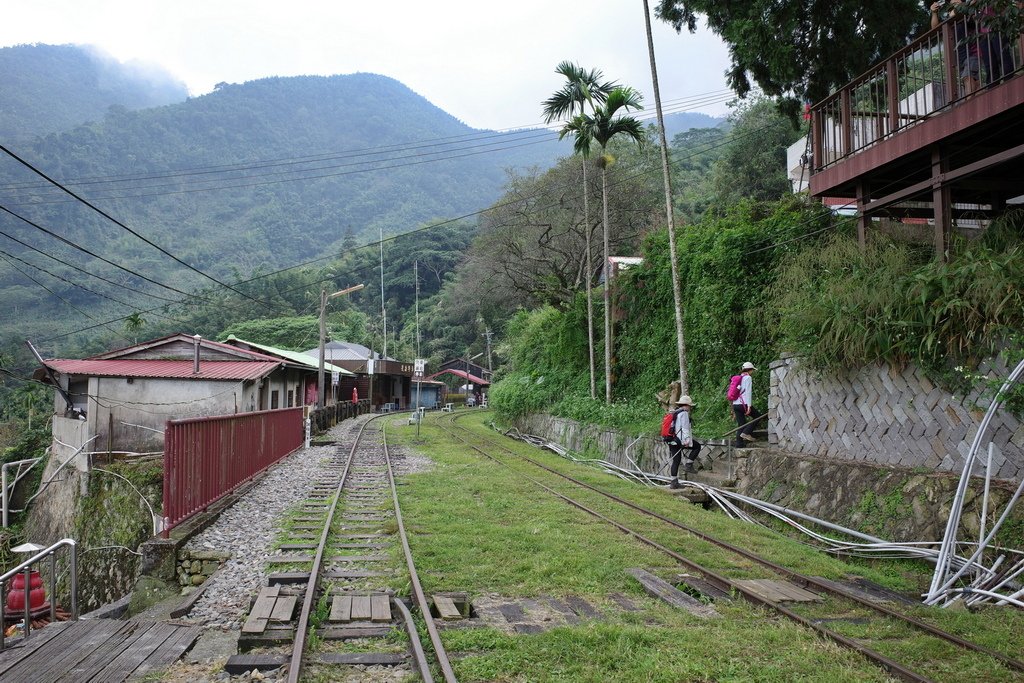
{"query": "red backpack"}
{"type": "Point", "coordinates": [668, 432]}
{"type": "Point", "coordinates": [735, 388]}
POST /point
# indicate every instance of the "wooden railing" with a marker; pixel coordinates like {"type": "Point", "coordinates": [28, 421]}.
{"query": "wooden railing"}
{"type": "Point", "coordinates": [924, 79]}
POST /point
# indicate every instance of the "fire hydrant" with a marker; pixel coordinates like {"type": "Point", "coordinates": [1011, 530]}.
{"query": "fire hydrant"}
{"type": "Point", "coordinates": [16, 595]}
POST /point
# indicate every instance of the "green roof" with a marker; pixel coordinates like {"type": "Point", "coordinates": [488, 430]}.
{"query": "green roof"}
{"type": "Point", "coordinates": [294, 356]}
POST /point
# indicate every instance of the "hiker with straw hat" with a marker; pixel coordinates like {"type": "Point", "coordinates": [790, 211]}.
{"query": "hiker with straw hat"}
{"type": "Point", "coordinates": [683, 431]}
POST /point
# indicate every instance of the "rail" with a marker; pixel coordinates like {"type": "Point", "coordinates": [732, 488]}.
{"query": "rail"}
{"type": "Point", "coordinates": [208, 458]}
{"type": "Point", "coordinates": [927, 77]}
{"type": "Point", "coordinates": [25, 568]}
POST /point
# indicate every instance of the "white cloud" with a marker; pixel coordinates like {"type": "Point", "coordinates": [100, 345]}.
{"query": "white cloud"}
{"type": "Point", "coordinates": [489, 64]}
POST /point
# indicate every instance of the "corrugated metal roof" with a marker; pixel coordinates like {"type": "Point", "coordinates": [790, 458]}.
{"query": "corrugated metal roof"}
{"type": "Point", "coordinates": [165, 369]}
{"type": "Point", "coordinates": [181, 337]}
{"type": "Point", "coordinates": [294, 356]}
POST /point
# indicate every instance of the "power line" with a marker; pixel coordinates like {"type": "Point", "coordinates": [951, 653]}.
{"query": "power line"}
{"type": "Point", "coordinates": [122, 225]}
{"type": "Point", "coordinates": [441, 224]}
{"type": "Point", "coordinates": [530, 139]}
{"type": "Point", "coordinates": [682, 104]}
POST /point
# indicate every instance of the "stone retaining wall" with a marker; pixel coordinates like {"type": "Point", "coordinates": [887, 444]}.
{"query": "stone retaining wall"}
{"type": "Point", "coordinates": [894, 503]}
{"type": "Point", "coordinates": [887, 416]}
{"type": "Point", "coordinates": [196, 566]}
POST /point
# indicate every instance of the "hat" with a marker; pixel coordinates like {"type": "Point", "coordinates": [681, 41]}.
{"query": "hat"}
{"type": "Point", "coordinates": [685, 400]}
{"type": "Point", "coordinates": [749, 366]}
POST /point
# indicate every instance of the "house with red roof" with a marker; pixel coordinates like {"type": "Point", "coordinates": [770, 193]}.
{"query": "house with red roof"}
{"type": "Point", "coordinates": [119, 401]}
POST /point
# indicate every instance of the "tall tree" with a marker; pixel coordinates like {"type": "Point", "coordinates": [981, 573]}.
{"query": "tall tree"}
{"type": "Point", "coordinates": [581, 88]}
{"type": "Point", "coordinates": [602, 127]}
{"type": "Point", "coordinates": [800, 50]}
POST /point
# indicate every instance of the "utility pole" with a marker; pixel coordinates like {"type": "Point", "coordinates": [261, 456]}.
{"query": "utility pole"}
{"type": "Point", "coordinates": [323, 337]}
{"type": "Point", "coordinates": [383, 311]}
{"type": "Point", "coordinates": [677, 296]}
{"type": "Point", "coordinates": [487, 334]}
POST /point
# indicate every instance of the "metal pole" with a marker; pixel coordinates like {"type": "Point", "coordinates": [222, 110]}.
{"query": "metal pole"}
{"type": "Point", "coordinates": [74, 582]}
{"type": "Point", "coordinates": [53, 587]}
{"type": "Point", "coordinates": [383, 310]}
{"type": "Point", "coordinates": [323, 335]}
{"type": "Point", "coordinates": [3, 482]}
{"type": "Point", "coordinates": [3, 601]}
{"type": "Point", "coordinates": [28, 592]}
{"type": "Point", "coordinates": [419, 412]}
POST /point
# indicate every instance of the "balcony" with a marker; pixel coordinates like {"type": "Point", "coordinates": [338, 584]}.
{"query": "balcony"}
{"type": "Point", "coordinates": [918, 137]}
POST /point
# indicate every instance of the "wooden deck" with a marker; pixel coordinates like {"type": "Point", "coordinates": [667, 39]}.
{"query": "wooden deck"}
{"type": "Point", "coordinates": [96, 650]}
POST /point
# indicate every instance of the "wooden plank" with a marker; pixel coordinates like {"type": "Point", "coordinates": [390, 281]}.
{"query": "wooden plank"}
{"type": "Point", "coordinates": [380, 607]}
{"type": "Point", "coordinates": [284, 608]}
{"type": "Point", "coordinates": [288, 578]}
{"type": "Point", "coordinates": [704, 588]}
{"type": "Point", "coordinates": [240, 664]}
{"type": "Point", "coordinates": [49, 664]}
{"type": "Point", "coordinates": [361, 658]}
{"type": "Point", "coordinates": [624, 602]}
{"type": "Point", "coordinates": [665, 591]}
{"type": "Point", "coordinates": [360, 546]}
{"type": "Point", "coordinates": [341, 608]}
{"type": "Point", "coordinates": [169, 651]}
{"type": "Point", "coordinates": [14, 654]}
{"type": "Point", "coordinates": [352, 574]}
{"type": "Point", "coordinates": [563, 609]}
{"type": "Point", "coordinates": [348, 633]}
{"type": "Point", "coordinates": [582, 607]}
{"type": "Point", "coordinates": [260, 613]}
{"type": "Point", "coordinates": [145, 643]}
{"type": "Point", "coordinates": [298, 546]}
{"type": "Point", "coordinates": [359, 558]}
{"type": "Point", "coordinates": [446, 608]}
{"type": "Point", "coordinates": [361, 607]}
{"type": "Point", "coordinates": [289, 559]}
{"type": "Point", "coordinates": [100, 657]}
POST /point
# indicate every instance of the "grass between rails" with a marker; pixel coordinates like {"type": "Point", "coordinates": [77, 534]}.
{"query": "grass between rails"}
{"type": "Point", "coordinates": [475, 526]}
{"type": "Point", "coordinates": [505, 514]}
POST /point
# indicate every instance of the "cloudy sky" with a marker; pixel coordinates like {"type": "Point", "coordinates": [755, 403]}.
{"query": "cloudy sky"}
{"type": "Point", "coordinates": [488, 64]}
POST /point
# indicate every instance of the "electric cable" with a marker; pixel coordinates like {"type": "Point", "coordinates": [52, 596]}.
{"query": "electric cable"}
{"type": "Point", "coordinates": [118, 223]}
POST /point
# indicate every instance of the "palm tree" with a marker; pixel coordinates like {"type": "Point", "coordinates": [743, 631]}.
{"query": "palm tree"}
{"type": "Point", "coordinates": [669, 214]}
{"type": "Point", "coordinates": [132, 325]}
{"type": "Point", "coordinates": [581, 88]}
{"type": "Point", "coordinates": [602, 127]}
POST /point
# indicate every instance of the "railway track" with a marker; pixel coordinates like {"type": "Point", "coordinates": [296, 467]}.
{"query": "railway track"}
{"type": "Point", "coordinates": [843, 605]}
{"type": "Point", "coordinates": [335, 565]}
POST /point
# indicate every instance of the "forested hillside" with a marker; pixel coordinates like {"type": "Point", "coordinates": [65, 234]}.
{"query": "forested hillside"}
{"type": "Point", "coordinates": [52, 88]}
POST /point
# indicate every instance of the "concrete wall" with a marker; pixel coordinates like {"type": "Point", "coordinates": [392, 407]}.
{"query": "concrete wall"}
{"type": "Point", "coordinates": [124, 413]}
{"type": "Point", "coordinates": [887, 416]}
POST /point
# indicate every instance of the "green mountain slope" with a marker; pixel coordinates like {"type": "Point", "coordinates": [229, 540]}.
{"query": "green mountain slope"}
{"type": "Point", "coordinates": [50, 88]}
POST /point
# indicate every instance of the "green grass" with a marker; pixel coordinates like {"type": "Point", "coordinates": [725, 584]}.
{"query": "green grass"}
{"type": "Point", "coordinates": [482, 527]}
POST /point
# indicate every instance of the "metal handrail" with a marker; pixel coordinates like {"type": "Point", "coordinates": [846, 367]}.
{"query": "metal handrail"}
{"type": "Point", "coordinates": [25, 568]}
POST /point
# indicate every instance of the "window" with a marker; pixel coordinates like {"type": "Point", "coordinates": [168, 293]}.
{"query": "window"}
{"type": "Point", "coordinates": [273, 400]}
{"type": "Point", "coordinates": [291, 398]}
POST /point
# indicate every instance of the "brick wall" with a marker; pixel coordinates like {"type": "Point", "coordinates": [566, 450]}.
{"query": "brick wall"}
{"type": "Point", "coordinates": [888, 416]}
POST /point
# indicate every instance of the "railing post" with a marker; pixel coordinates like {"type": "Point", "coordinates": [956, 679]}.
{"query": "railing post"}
{"type": "Point", "coordinates": [53, 587]}
{"type": "Point", "coordinates": [949, 62]}
{"type": "Point", "coordinates": [28, 608]}
{"type": "Point", "coordinates": [74, 582]}
{"type": "Point", "coordinates": [845, 122]}
{"type": "Point", "coordinates": [892, 90]}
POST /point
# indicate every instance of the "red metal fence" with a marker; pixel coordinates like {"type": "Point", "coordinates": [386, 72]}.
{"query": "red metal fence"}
{"type": "Point", "coordinates": [206, 458]}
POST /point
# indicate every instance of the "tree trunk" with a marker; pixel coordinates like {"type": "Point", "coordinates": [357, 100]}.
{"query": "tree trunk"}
{"type": "Point", "coordinates": [677, 296]}
{"type": "Point", "coordinates": [590, 275]}
{"type": "Point", "coordinates": [607, 292]}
